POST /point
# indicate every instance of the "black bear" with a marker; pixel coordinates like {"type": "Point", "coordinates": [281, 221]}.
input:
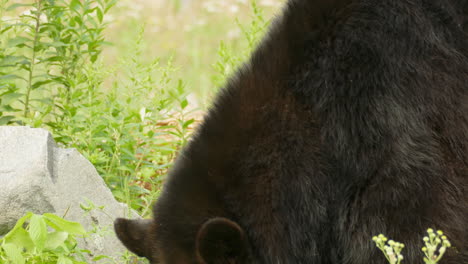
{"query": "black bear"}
{"type": "Point", "coordinates": [349, 120]}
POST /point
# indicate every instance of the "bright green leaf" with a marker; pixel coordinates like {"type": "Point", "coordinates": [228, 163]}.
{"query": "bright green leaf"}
{"type": "Point", "coordinates": [55, 239]}
{"type": "Point", "coordinates": [38, 231]}
{"type": "Point", "coordinates": [110, 5]}
{"type": "Point", "coordinates": [61, 224]}
{"type": "Point", "coordinates": [186, 124]}
{"type": "Point", "coordinates": [64, 260]}
{"type": "Point", "coordinates": [19, 225]}
{"type": "Point", "coordinates": [79, 21]}
{"type": "Point", "coordinates": [21, 238]}
{"type": "Point", "coordinates": [184, 104]}
{"type": "Point", "coordinates": [99, 14]}
{"type": "Point", "coordinates": [13, 253]}
{"type": "Point", "coordinates": [75, 5]}
{"type": "Point", "coordinates": [101, 257]}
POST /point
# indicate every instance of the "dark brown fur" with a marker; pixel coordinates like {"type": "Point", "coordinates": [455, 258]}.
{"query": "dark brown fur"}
{"type": "Point", "coordinates": [350, 120]}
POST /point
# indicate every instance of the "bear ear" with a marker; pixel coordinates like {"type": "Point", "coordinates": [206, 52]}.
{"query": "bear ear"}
{"type": "Point", "coordinates": [220, 240]}
{"type": "Point", "coordinates": [133, 234]}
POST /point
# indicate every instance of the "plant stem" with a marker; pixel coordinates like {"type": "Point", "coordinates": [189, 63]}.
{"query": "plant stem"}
{"type": "Point", "coordinates": [33, 59]}
{"type": "Point", "coordinates": [2, 10]}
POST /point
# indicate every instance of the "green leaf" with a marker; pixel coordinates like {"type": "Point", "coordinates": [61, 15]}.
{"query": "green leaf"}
{"type": "Point", "coordinates": [184, 104]}
{"type": "Point", "coordinates": [66, 38]}
{"type": "Point", "coordinates": [110, 4]}
{"type": "Point", "coordinates": [40, 47]}
{"type": "Point", "coordinates": [38, 231]}
{"type": "Point", "coordinates": [54, 59]}
{"type": "Point", "coordinates": [75, 5]}
{"type": "Point", "coordinates": [55, 239]}
{"type": "Point", "coordinates": [94, 58]}
{"type": "Point", "coordinates": [188, 123]}
{"type": "Point", "coordinates": [101, 257]}
{"type": "Point", "coordinates": [78, 20]}
{"type": "Point", "coordinates": [99, 14]}
{"type": "Point", "coordinates": [8, 108]}
{"type": "Point", "coordinates": [11, 77]}
{"type": "Point", "coordinates": [13, 253]}
{"type": "Point", "coordinates": [61, 224]}
{"type": "Point", "coordinates": [19, 225]}
{"type": "Point", "coordinates": [40, 83]}
{"type": "Point", "coordinates": [5, 120]}
{"type": "Point", "coordinates": [64, 260]}
{"type": "Point", "coordinates": [8, 98]}
{"type": "Point", "coordinates": [7, 27]}
{"type": "Point", "coordinates": [17, 42]}
{"type": "Point", "coordinates": [14, 6]}
{"type": "Point", "coordinates": [85, 208]}
{"type": "Point", "coordinates": [21, 238]}
{"type": "Point", "coordinates": [10, 60]}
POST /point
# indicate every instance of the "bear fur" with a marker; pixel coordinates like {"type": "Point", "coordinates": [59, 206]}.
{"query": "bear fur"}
{"type": "Point", "coordinates": [349, 120]}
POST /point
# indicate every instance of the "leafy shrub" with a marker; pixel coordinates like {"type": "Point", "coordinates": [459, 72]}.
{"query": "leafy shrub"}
{"type": "Point", "coordinates": [128, 119]}
{"type": "Point", "coordinates": [35, 243]}
{"type": "Point", "coordinates": [43, 54]}
{"type": "Point", "coordinates": [51, 76]}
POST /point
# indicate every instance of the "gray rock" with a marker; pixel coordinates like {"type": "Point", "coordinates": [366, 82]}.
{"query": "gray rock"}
{"type": "Point", "coordinates": [38, 176]}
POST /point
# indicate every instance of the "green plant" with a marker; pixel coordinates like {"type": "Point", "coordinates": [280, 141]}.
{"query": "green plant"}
{"type": "Point", "coordinates": [42, 239]}
{"type": "Point", "coordinates": [41, 60]}
{"type": "Point", "coordinates": [228, 59]}
{"type": "Point", "coordinates": [390, 249]}
{"type": "Point", "coordinates": [435, 246]}
{"type": "Point", "coordinates": [51, 76]}
{"type": "Point", "coordinates": [129, 119]}
{"type": "Point", "coordinates": [138, 145]}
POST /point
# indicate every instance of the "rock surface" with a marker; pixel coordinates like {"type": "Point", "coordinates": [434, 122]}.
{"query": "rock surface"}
{"type": "Point", "coordinates": [38, 176]}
